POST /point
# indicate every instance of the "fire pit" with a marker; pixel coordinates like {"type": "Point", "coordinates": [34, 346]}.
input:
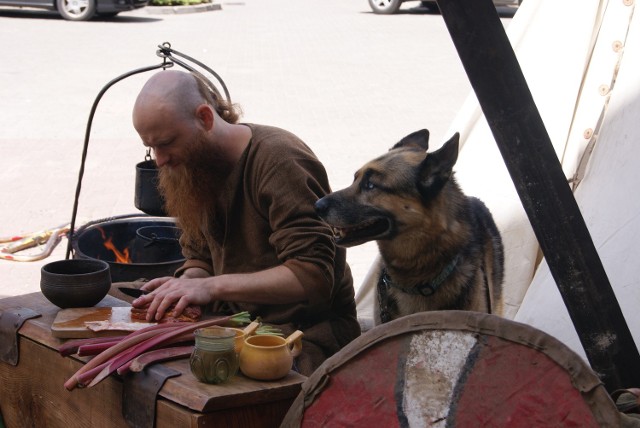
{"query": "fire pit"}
{"type": "Point", "coordinates": [116, 241]}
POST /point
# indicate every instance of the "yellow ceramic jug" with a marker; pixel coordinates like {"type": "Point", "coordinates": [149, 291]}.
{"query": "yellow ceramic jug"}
{"type": "Point", "coordinates": [243, 333]}
{"type": "Point", "coordinates": [269, 357]}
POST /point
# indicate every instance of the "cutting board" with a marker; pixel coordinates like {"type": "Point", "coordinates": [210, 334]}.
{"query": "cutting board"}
{"type": "Point", "coordinates": [70, 323]}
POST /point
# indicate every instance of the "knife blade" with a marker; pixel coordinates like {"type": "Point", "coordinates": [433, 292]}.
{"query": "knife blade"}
{"type": "Point", "coordinates": [133, 292]}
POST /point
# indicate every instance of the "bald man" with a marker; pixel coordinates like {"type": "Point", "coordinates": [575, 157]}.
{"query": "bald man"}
{"type": "Point", "coordinates": [243, 195]}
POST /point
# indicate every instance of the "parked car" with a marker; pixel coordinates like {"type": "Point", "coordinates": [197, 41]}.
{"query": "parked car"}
{"type": "Point", "coordinates": [389, 7]}
{"type": "Point", "coordinates": [80, 10]}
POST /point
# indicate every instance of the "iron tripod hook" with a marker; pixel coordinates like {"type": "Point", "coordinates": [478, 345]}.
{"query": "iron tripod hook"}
{"type": "Point", "coordinates": [167, 53]}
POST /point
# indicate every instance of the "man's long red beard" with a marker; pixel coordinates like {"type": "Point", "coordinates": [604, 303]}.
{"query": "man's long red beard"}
{"type": "Point", "coordinates": [191, 189]}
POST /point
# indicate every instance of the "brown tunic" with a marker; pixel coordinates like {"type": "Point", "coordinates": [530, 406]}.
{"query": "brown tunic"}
{"type": "Point", "coordinates": [265, 218]}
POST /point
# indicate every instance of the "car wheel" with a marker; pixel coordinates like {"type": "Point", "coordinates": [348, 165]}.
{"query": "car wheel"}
{"type": "Point", "coordinates": [76, 10]}
{"type": "Point", "coordinates": [385, 7]}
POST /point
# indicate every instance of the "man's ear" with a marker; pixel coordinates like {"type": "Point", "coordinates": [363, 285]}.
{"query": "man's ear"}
{"type": "Point", "coordinates": [205, 115]}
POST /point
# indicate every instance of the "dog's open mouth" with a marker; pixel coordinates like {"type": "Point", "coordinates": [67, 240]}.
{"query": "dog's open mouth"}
{"type": "Point", "coordinates": [364, 232]}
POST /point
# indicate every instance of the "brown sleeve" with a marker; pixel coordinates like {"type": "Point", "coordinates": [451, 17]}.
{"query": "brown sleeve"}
{"type": "Point", "coordinates": [196, 257]}
{"type": "Point", "coordinates": [288, 186]}
{"type": "Point", "coordinates": [310, 275]}
{"type": "Point", "coordinates": [193, 263]}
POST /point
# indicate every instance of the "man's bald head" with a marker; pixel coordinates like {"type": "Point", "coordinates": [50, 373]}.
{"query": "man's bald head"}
{"type": "Point", "coordinates": [172, 91]}
{"type": "Point", "coordinates": [180, 93]}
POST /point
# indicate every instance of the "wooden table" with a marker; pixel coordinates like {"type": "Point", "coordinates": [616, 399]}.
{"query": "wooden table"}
{"type": "Point", "coordinates": [32, 392]}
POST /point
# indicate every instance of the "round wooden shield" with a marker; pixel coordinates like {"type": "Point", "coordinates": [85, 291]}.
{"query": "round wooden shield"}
{"type": "Point", "coordinates": [453, 369]}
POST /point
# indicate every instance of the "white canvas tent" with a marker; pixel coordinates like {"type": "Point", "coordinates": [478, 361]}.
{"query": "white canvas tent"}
{"type": "Point", "coordinates": [581, 60]}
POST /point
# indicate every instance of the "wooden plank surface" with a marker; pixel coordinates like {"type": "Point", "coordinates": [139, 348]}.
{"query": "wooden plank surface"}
{"type": "Point", "coordinates": [185, 391]}
{"type": "Point", "coordinates": [71, 323]}
{"type": "Point", "coordinates": [39, 329]}
{"type": "Point", "coordinates": [32, 393]}
{"type": "Point", "coordinates": [239, 391]}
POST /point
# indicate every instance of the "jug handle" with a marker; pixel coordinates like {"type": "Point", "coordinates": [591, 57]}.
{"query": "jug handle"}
{"type": "Point", "coordinates": [294, 342]}
{"type": "Point", "coordinates": [251, 328]}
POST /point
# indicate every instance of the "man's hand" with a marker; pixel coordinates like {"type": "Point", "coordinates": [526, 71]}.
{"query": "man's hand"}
{"type": "Point", "coordinates": [274, 286]}
{"type": "Point", "coordinates": [166, 291]}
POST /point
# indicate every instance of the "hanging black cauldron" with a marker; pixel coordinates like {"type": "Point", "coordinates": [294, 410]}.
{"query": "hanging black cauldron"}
{"type": "Point", "coordinates": [151, 253]}
{"type": "Point", "coordinates": [147, 197]}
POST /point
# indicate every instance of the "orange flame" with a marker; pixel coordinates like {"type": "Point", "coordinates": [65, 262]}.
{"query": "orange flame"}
{"type": "Point", "coordinates": [121, 256]}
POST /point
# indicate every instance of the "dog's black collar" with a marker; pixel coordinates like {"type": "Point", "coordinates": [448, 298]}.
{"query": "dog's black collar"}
{"type": "Point", "coordinates": [426, 288]}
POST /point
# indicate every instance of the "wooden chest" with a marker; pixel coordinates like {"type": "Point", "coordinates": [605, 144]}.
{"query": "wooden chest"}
{"type": "Point", "coordinates": [32, 391]}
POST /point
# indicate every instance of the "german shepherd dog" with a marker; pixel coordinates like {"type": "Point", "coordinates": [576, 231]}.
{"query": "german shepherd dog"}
{"type": "Point", "coordinates": [440, 249]}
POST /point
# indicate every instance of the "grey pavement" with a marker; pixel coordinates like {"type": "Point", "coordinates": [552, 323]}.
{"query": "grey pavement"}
{"type": "Point", "coordinates": [348, 82]}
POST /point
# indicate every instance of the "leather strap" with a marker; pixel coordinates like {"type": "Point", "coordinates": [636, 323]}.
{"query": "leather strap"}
{"type": "Point", "coordinates": [140, 391]}
{"type": "Point", "coordinates": [10, 322]}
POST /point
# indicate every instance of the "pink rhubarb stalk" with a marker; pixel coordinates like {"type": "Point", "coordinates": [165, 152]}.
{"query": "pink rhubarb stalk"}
{"type": "Point", "coordinates": [141, 341]}
{"type": "Point", "coordinates": [160, 339]}
{"type": "Point", "coordinates": [85, 378]}
{"type": "Point", "coordinates": [157, 355]}
{"type": "Point", "coordinates": [134, 338]}
{"type": "Point", "coordinates": [71, 347]}
{"type": "Point", "coordinates": [96, 348]}
{"type": "Point", "coordinates": [132, 353]}
{"type": "Point", "coordinates": [90, 349]}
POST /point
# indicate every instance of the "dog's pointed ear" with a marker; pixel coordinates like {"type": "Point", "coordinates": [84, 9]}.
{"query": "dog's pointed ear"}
{"type": "Point", "coordinates": [447, 155]}
{"type": "Point", "coordinates": [418, 140]}
{"type": "Point", "coordinates": [437, 167]}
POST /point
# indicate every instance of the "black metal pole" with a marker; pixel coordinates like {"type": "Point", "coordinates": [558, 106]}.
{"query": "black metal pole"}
{"type": "Point", "coordinates": [85, 147]}
{"type": "Point", "coordinates": [507, 103]}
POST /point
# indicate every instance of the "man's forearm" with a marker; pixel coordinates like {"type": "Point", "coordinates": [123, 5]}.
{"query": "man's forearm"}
{"type": "Point", "coordinates": [277, 285]}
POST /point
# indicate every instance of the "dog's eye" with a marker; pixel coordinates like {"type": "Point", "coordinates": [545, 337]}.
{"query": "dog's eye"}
{"type": "Point", "coordinates": [368, 185]}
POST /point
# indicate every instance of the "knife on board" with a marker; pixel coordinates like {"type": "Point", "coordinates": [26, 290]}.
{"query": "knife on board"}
{"type": "Point", "coordinates": [133, 292]}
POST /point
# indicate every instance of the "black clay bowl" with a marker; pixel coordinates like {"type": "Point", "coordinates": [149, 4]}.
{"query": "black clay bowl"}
{"type": "Point", "coordinates": [75, 283]}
